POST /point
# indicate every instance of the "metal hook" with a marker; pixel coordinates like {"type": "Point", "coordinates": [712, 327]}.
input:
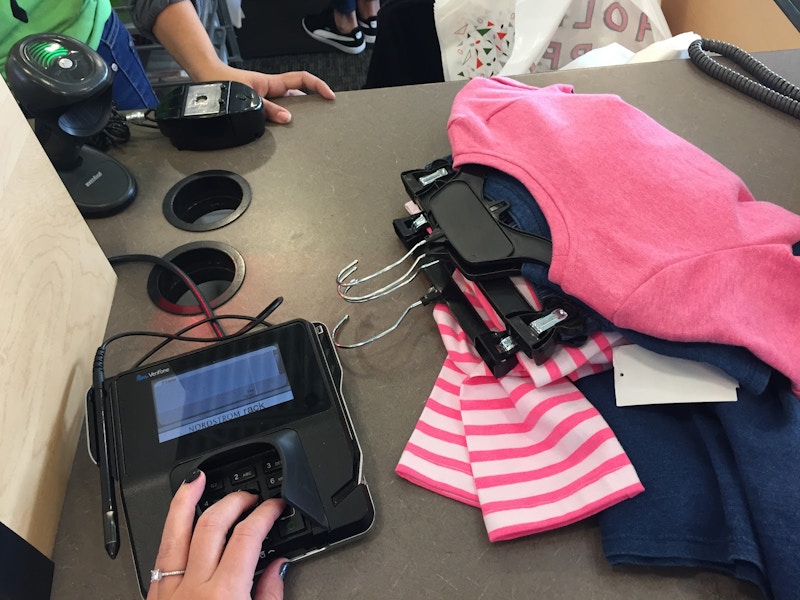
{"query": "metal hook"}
{"type": "Point", "coordinates": [431, 296]}
{"type": "Point", "coordinates": [351, 268]}
{"type": "Point", "coordinates": [344, 286]}
{"type": "Point", "coordinates": [401, 281]}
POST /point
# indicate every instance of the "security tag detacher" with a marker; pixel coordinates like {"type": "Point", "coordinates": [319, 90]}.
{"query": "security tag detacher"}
{"type": "Point", "coordinates": [211, 115]}
{"type": "Point", "coordinates": [262, 413]}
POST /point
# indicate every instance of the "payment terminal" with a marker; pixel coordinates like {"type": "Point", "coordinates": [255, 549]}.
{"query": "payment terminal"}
{"type": "Point", "coordinates": [263, 412]}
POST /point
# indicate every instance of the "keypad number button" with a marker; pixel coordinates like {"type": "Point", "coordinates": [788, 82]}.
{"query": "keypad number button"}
{"type": "Point", "coordinates": [272, 464]}
{"type": "Point", "coordinates": [243, 475]}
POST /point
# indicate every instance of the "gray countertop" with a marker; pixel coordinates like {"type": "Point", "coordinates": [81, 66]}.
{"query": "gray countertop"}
{"type": "Point", "coordinates": [325, 191]}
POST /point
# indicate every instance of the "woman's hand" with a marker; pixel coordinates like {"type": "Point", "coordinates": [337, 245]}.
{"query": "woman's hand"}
{"type": "Point", "coordinates": [216, 569]}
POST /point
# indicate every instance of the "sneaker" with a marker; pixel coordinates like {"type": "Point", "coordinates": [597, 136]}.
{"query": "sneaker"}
{"type": "Point", "coordinates": [322, 28]}
{"type": "Point", "coordinates": [369, 28]}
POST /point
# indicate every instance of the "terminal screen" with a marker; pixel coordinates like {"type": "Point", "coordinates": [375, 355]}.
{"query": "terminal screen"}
{"type": "Point", "coordinates": [236, 387]}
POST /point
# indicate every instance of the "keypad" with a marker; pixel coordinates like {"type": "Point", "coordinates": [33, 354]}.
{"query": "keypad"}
{"type": "Point", "coordinates": [261, 475]}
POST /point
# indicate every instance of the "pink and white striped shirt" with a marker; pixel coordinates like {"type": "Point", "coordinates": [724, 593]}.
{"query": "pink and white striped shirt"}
{"type": "Point", "coordinates": [527, 448]}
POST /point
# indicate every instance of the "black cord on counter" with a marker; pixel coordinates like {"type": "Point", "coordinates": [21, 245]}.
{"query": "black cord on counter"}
{"type": "Point", "coordinates": [98, 366]}
{"type": "Point", "coordinates": [178, 272]}
{"type": "Point", "coordinates": [115, 132]}
{"type": "Point", "coordinates": [259, 319]}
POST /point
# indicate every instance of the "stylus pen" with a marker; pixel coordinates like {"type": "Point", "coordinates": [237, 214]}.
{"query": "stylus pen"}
{"type": "Point", "coordinates": [108, 498]}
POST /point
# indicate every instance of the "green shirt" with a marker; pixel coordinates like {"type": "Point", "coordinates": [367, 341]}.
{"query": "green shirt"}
{"type": "Point", "coordinates": [81, 19]}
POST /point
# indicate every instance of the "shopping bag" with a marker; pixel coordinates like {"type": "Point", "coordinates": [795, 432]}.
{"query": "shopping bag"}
{"type": "Point", "coordinates": [481, 38]}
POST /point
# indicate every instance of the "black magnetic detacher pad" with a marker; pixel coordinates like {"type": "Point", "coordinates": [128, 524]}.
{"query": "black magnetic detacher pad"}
{"type": "Point", "coordinates": [210, 115]}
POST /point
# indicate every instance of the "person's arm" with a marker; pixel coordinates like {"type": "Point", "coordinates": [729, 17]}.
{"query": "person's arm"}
{"type": "Point", "coordinates": [144, 13]}
{"type": "Point", "coordinates": [178, 28]}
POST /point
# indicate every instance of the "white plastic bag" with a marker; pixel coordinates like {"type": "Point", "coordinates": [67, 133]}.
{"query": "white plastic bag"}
{"type": "Point", "coordinates": [481, 38]}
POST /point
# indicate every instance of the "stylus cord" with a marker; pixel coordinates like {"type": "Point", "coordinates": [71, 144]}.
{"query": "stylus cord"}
{"type": "Point", "coordinates": [765, 85]}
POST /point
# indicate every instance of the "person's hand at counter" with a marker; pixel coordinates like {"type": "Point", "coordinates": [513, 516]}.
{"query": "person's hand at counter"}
{"type": "Point", "coordinates": [274, 86]}
{"type": "Point", "coordinates": [198, 564]}
{"type": "Point", "coordinates": [179, 30]}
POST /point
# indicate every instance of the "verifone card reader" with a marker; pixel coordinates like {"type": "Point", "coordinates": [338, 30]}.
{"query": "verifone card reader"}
{"type": "Point", "coordinates": [264, 413]}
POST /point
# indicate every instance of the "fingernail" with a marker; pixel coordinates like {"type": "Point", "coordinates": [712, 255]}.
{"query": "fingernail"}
{"type": "Point", "coordinates": [284, 116]}
{"type": "Point", "coordinates": [284, 569]}
{"type": "Point", "coordinates": [192, 476]}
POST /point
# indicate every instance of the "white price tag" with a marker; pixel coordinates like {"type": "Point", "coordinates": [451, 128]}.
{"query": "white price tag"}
{"type": "Point", "coordinates": [643, 377]}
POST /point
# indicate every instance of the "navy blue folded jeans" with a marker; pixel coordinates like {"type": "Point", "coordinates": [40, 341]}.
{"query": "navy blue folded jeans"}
{"type": "Point", "coordinates": [720, 485]}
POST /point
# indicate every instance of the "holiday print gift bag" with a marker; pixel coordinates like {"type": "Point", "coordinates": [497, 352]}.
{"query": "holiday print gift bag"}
{"type": "Point", "coordinates": [481, 38]}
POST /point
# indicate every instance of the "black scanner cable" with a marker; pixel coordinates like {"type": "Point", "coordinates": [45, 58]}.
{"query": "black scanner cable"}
{"type": "Point", "coordinates": [765, 85]}
{"type": "Point", "coordinates": [115, 133]}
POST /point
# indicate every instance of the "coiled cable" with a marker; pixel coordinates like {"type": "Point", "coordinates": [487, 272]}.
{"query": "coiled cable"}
{"type": "Point", "coordinates": [765, 85]}
{"type": "Point", "coordinates": [115, 133]}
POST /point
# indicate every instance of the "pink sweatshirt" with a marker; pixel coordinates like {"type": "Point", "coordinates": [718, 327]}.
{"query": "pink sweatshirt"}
{"type": "Point", "coordinates": [647, 229]}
